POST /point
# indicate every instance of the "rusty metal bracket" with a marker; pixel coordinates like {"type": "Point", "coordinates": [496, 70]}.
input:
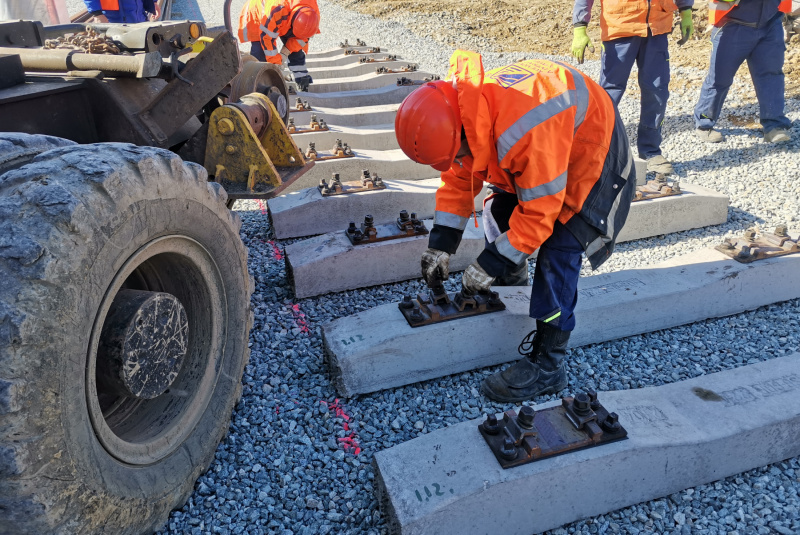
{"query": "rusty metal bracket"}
{"type": "Point", "coordinates": [351, 52]}
{"type": "Point", "coordinates": [408, 81]}
{"type": "Point", "coordinates": [404, 227]}
{"type": "Point", "coordinates": [300, 105]}
{"type": "Point", "coordinates": [335, 186]}
{"type": "Point", "coordinates": [340, 150]}
{"type": "Point", "coordinates": [437, 306]}
{"type": "Point", "coordinates": [408, 68]}
{"type": "Point", "coordinates": [579, 422]}
{"type": "Point", "coordinates": [654, 189]}
{"type": "Point", "coordinates": [754, 246]}
{"type": "Point", "coordinates": [345, 44]}
{"type": "Point", "coordinates": [316, 125]}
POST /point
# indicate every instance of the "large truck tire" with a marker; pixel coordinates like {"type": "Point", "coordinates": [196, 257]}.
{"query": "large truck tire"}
{"type": "Point", "coordinates": [18, 149]}
{"type": "Point", "coordinates": [124, 321]}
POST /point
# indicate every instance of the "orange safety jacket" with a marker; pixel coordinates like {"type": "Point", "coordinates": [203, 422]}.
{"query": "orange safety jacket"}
{"type": "Point", "coordinates": [629, 18]}
{"type": "Point", "coordinates": [541, 130]}
{"type": "Point", "coordinates": [266, 20]}
{"type": "Point", "coordinates": [109, 5]}
{"type": "Point", "coordinates": [717, 9]}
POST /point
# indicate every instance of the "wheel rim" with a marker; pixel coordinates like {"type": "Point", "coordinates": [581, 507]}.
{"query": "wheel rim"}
{"type": "Point", "coordinates": [144, 431]}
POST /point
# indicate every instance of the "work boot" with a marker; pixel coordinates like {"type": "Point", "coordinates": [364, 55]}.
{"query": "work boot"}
{"type": "Point", "coordinates": [541, 371]}
{"type": "Point", "coordinates": [709, 135]}
{"type": "Point", "coordinates": [659, 165]}
{"type": "Point", "coordinates": [777, 135]}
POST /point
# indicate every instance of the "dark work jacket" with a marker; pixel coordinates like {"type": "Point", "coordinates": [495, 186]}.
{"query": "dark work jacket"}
{"type": "Point", "coordinates": [756, 13]}
{"type": "Point", "coordinates": [130, 11]}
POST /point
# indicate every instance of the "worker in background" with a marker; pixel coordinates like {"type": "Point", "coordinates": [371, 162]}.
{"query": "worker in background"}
{"type": "Point", "coordinates": [553, 148]}
{"type": "Point", "coordinates": [636, 31]}
{"type": "Point", "coordinates": [49, 12]}
{"type": "Point", "coordinates": [749, 30]}
{"type": "Point", "coordinates": [261, 22]}
{"type": "Point", "coordinates": [125, 11]}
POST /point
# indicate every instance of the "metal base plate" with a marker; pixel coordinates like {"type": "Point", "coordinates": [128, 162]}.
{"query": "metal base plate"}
{"type": "Point", "coordinates": [756, 246]}
{"type": "Point", "coordinates": [534, 435]}
{"type": "Point", "coordinates": [438, 306]}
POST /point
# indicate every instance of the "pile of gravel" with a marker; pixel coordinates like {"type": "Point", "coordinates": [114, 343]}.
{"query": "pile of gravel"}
{"type": "Point", "coordinates": [297, 460]}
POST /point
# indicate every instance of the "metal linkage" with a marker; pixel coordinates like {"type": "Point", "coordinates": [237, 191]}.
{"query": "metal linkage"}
{"type": "Point", "coordinates": [654, 189]}
{"type": "Point", "coordinates": [351, 52]}
{"type": "Point", "coordinates": [754, 246]}
{"type": "Point", "coordinates": [580, 422]}
{"type": "Point", "coordinates": [370, 59]}
{"type": "Point", "coordinates": [437, 306]}
{"type": "Point", "coordinates": [408, 68]}
{"type": "Point", "coordinates": [405, 226]}
{"type": "Point", "coordinates": [301, 105]}
{"type": "Point", "coordinates": [316, 125]}
{"type": "Point", "coordinates": [335, 186]}
{"type": "Point", "coordinates": [408, 81]}
{"type": "Point", "coordinates": [340, 150]}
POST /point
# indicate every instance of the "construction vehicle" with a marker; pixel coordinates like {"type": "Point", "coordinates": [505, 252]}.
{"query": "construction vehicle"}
{"type": "Point", "coordinates": [125, 296]}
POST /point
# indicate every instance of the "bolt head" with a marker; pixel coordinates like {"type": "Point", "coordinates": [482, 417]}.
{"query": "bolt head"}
{"type": "Point", "coordinates": [781, 230]}
{"type": "Point", "coordinates": [750, 234]}
{"type": "Point", "coordinates": [526, 416]}
{"type": "Point", "coordinates": [225, 126]}
{"type": "Point", "coordinates": [230, 149]}
{"type": "Point", "coordinates": [508, 450]}
{"type": "Point", "coordinates": [490, 424]}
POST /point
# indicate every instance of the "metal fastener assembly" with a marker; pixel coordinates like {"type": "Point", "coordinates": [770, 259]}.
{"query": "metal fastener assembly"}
{"type": "Point", "coordinates": [490, 425]}
{"type": "Point", "coordinates": [508, 450]}
{"type": "Point", "coordinates": [526, 416]}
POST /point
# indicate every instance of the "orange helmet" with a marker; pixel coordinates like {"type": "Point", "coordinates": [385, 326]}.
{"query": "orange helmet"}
{"type": "Point", "coordinates": [428, 125]}
{"type": "Point", "coordinates": [305, 22]}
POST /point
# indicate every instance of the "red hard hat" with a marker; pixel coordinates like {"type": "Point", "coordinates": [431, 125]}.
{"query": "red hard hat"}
{"type": "Point", "coordinates": [428, 125]}
{"type": "Point", "coordinates": [305, 22]}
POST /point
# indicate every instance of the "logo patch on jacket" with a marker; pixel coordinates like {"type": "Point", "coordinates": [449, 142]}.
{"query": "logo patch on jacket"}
{"type": "Point", "coordinates": [511, 75]}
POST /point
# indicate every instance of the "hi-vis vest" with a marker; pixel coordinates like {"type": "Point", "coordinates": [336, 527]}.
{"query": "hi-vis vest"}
{"type": "Point", "coordinates": [109, 5]}
{"type": "Point", "coordinates": [629, 18]}
{"type": "Point", "coordinates": [718, 9]}
{"type": "Point", "coordinates": [272, 18]}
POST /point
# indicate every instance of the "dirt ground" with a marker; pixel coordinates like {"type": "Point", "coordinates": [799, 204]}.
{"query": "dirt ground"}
{"type": "Point", "coordinates": [545, 26]}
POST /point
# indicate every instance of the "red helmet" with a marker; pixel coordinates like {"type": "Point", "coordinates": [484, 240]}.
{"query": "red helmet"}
{"type": "Point", "coordinates": [428, 125]}
{"type": "Point", "coordinates": [305, 22]}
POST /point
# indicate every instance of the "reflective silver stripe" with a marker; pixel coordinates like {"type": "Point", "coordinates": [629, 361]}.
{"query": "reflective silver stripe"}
{"type": "Point", "coordinates": [627, 170]}
{"type": "Point", "coordinates": [581, 94]}
{"type": "Point", "coordinates": [543, 190]}
{"type": "Point", "coordinates": [300, 42]}
{"type": "Point", "coordinates": [534, 117]}
{"type": "Point", "coordinates": [595, 246]}
{"type": "Point", "coordinates": [450, 220]}
{"type": "Point", "coordinates": [274, 35]}
{"type": "Point", "coordinates": [722, 6]}
{"type": "Point", "coordinates": [244, 34]}
{"type": "Point", "coordinates": [505, 248]}
{"type": "Point", "coordinates": [298, 68]}
{"type": "Point", "coordinates": [269, 53]}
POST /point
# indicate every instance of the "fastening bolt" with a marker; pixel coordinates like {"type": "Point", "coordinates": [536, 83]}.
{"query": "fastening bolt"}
{"type": "Point", "coordinates": [494, 299]}
{"type": "Point", "coordinates": [225, 126]}
{"type": "Point", "coordinates": [368, 219]}
{"type": "Point", "coordinates": [230, 149]}
{"type": "Point", "coordinates": [352, 226]}
{"type": "Point", "coordinates": [611, 423]}
{"type": "Point", "coordinates": [404, 215]}
{"type": "Point", "coordinates": [750, 234]}
{"type": "Point", "coordinates": [581, 404]}
{"type": "Point", "coordinates": [416, 315]}
{"type": "Point", "coordinates": [525, 417]}
{"type": "Point", "coordinates": [336, 178]}
{"type": "Point", "coordinates": [490, 424]}
{"type": "Point", "coordinates": [593, 399]}
{"type": "Point", "coordinates": [508, 451]}
{"type": "Point", "coordinates": [782, 230]}
{"type": "Point", "coordinates": [407, 302]}
{"type": "Point", "coordinates": [745, 252]}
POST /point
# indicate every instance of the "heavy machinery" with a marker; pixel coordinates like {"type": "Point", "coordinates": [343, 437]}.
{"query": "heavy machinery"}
{"type": "Point", "coordinates": [125, 295]}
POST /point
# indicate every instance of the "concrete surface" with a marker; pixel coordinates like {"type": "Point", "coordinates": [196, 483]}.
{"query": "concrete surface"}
{"type": "Point", "coordinates": [390, 164]}
{"type": "Point", "coordinates": [704, 284]}
{"type": "Point", "coordinates": [341, 60]}
{"type": "Point", "coordinates": [377, 137]}
{"type": "Point", "coordinates": [334, 52]}
{"type": "Point", "coordinates": [357, 115]}
{"type": "Point", "coordinates": [370, 80]}
{"type": "Point", "coordinates": [390, 94]}
{"type": "Point", "coordinates": [330, 263]}
{"type": "Point", "coordinates": [679, 435]}
{"type": "Point", "coordinates": [355, 69]}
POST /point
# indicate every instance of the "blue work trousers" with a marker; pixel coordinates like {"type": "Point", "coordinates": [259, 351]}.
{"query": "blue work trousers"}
{"type": "Point", "coordinates": [763, 49]}
{"type": "Point", "coordinates": [554, 293]}
{"type": "Point", "coordinates": [651, 55]}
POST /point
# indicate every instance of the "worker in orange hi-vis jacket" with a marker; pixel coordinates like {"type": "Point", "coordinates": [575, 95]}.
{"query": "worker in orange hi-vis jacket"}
{"type": "Point", "coordinates": [262, 22]}
{"type": "Point", "coordinates": [553, 148]}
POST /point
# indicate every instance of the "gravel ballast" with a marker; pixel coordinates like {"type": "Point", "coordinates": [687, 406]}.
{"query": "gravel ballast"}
{"type": "Point", "coordinates": [297, 460]}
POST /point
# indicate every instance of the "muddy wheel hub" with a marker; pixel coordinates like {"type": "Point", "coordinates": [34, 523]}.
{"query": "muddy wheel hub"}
{"type": "Point", "coordinates": [143, 345]}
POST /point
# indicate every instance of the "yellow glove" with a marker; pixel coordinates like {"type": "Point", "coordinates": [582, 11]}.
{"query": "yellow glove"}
{"type": "Point", "coordinates": [579, 43]}
{"type": "Point", "coordinates": [687, 26]}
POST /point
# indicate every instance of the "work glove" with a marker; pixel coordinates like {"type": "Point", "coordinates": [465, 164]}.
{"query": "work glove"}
{"type": "Point", "coordinates": [435, 266]}
{"type": "Point", "coordinates": [687, 26]}
{"type": "Point", "coordinates": [579, 43]}
{"type": "Point", "coordinates": [303, 82]}
{"type": "Point", "coordinates": [475, 280]}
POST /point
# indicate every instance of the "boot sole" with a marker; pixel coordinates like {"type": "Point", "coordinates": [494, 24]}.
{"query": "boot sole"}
{"type": "Point", "coordinates": [503, 399]}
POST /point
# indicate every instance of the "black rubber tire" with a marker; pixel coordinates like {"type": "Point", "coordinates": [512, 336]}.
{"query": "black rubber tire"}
{"type": "Point", "coordinates": [74, 222]}
{"type": "Point", "coordinates": [18, 149]}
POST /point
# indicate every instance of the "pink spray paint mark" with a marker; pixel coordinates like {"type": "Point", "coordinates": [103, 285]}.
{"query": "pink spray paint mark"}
{"type": "Point", "coordinates": [262, 206]}
{"type": "Point", "coordinates": [299, 319]}
{"type": "Point", "coordinates": [350, 442]}
{"type": "Point", "coordinates": [277, 254]}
